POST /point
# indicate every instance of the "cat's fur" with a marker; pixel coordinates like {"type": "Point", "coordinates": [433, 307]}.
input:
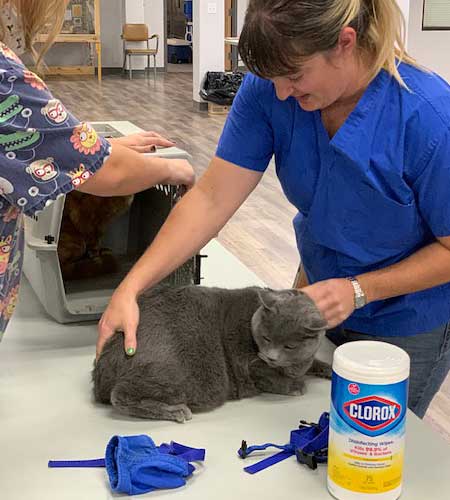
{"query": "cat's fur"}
{"type": "Point", "coordinates": [199, 347]}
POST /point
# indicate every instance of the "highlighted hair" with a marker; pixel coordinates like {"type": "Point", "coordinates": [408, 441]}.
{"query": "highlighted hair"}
{"type": "Point", "coordinates": [278, 34]}
{"type": "Point", "coordinates": [39, 16]}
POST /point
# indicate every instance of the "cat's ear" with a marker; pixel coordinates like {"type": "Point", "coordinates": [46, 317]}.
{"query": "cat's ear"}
{"type": "Point", "coordinates": [267, 299]}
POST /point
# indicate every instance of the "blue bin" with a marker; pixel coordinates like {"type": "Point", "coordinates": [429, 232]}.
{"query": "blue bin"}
{"type": "Point", "coordinates": [179, 54]}
{"type": "Point", "coordinates": [188, 9]}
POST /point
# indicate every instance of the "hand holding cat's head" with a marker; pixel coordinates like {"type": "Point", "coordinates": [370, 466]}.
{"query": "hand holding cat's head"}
{"type": "Point", "coordinates": [287, 327]}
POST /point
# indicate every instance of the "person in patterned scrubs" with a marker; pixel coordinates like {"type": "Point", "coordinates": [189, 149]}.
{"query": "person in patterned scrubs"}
{"type": "Point", "coordinates": [45, 152]}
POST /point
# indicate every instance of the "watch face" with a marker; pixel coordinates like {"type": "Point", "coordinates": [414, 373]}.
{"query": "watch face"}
{"type": "Point", "coordinates": [360, 302]}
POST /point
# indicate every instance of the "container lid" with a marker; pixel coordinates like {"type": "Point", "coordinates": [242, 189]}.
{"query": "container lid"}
{"type": "Point", "coordinates": [178, 42]}
{"type": "Point", "coordinates": [371, 361]}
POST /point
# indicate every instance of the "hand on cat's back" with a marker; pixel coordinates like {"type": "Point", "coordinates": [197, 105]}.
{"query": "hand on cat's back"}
{"type": "Point", "coordinates": [122, 314]}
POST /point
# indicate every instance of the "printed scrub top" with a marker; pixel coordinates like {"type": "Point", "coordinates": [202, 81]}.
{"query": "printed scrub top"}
{"type": "Point", "coordinates": [44, 153]}
{"type": "Point", "coordinates": [371, 196]}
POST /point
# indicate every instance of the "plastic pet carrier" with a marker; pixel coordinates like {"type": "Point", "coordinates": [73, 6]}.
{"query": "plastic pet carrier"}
{"type": "Point", "coordinates": [127, 237]}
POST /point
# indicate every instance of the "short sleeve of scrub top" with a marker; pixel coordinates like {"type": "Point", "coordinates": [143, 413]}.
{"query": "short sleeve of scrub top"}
{"type": "Point", "coordinates": [44, 150]}
{"type": "Point", "coordinates": [247, 138]}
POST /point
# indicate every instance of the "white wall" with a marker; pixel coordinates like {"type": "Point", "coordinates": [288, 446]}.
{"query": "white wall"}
{"type": "Point", "coordinates": [241, 9]}
{"type": "Point", "coordinates": [134, 11]}
{"type": "Point", "coordinates": [154, 18]}
{"type": "Point", "coordinates": [208, 44]}
{"type": "Point", "coordinates": [430, 48]}
{"type": "Point", "coordinates": [405, 6]}
{"type": "Point", "coordinates": [112, 14]}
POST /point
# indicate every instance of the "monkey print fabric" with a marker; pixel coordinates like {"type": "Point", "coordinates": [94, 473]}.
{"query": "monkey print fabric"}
{"type": "Point", "coordinates": [44, 153]}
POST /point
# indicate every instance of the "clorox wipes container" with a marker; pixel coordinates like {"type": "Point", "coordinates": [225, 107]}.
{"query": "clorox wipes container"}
{"type": "Point", "coordinates": [369, 396]}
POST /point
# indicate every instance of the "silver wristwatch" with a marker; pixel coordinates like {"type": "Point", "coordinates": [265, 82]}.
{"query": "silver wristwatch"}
{"type": "Point", "coordinates": [359, 296]}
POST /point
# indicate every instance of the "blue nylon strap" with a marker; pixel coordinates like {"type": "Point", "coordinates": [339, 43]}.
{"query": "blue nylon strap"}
{"type": "Point", "coordinates": [98, 462]}
{"type": "Point", "coordinates": [185, 452]}
{"type": "Point", "coordinates": [309, 439]}
{"type": "Point", "coordinates": [268, 462]}
{"type": "Point", "coordinates": [260, 447]}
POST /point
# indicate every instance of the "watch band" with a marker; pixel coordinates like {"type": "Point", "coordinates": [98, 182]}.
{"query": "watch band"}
{"type": "Point", "coordinates": [359, 295]}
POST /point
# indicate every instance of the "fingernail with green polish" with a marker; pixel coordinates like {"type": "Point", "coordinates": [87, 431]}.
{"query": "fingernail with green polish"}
{"type": "Point", "coordinates": [130, 351]}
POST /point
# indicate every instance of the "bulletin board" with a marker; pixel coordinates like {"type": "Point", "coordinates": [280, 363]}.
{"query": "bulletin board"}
{"type": "Point", "coordinates": [79, 18]}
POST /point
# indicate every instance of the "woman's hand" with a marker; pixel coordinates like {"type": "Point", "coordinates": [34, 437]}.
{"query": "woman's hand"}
{"type": "Point", "coordinates": [121, 315]}
{"type": "Point", "coordinates": [143, 142]}
{"type": "Point", "coordinates": [180, 173]}
{"type": "Point", "coordinates": [334, 298]}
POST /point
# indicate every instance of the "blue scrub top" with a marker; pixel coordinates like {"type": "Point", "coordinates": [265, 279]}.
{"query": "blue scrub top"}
{"type": "Point", "coordinates": [375, 193]}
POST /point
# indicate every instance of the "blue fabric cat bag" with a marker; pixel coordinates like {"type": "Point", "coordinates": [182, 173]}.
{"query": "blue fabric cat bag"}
{"type": "Point", "coordinates": [136, 465]}
{"type": "Point", "coordinates": [309, 443]}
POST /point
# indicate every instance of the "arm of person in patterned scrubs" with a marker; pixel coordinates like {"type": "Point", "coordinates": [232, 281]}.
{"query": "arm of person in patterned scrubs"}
{"type": "Point", "coordinates": [46, 152]}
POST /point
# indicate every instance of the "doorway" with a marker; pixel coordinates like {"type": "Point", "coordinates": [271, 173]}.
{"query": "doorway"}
{"type": "Point", "coordinates": [178, 40]}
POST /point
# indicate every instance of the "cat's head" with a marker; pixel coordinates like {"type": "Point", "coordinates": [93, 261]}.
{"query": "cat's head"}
{"type": "Point", "coordinates": [287, 327]}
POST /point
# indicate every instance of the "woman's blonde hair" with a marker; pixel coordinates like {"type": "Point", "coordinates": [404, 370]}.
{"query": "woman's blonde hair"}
{"type": "Point", "coordinates": [278, 34]}
{"type": "Point", "coordinates": [39, 16]}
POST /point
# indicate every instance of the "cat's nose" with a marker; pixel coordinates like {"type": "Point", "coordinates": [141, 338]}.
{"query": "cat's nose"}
{"type": "Point", "coordinates": [272, 356]}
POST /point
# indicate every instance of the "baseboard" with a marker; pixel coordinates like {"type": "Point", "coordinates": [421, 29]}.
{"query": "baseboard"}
{"type": "Point", "coordinates": [200, 107]}
{"type": "Point", "coordinates": [118, 71]}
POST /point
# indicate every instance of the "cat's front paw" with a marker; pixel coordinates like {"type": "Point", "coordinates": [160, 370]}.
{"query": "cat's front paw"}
{"type": "Point", "coordinates": [320, 369]}
{"type": "Point", "coordinates": [298, 390]}
{"type": "Point", "coordinates": [180, 413]}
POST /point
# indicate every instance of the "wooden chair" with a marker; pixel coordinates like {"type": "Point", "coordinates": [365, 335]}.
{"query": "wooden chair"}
{"type": "Point", "coordinates": [138, 33]}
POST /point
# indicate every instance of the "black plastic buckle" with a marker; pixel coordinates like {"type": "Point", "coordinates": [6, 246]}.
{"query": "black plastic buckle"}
{"type": "Point", "coordinates": [243, 449]}
{"type": "Point", "coordinates": [304, 423]}
{"type": "Point", "coordinates": [308, 459]}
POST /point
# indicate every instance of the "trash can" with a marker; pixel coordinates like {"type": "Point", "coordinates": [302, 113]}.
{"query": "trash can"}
{"type": "Point", "coordinates": [179, 51]}
{"type": "Point", "coordinates": [221, 87]}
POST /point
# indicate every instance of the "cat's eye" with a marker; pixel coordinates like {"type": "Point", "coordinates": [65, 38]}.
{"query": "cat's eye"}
{"type": "Point", "coordinates": [289, 347]}
{"type": "Point", "coordinates": [266, 339]}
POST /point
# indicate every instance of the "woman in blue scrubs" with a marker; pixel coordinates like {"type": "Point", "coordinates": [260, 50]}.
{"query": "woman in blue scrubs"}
{"type": "Point", "coordinates": [361, 140]}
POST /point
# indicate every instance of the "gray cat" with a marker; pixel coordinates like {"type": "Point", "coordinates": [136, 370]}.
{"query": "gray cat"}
{"type": "Point", "coordinates": [199, 347]}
